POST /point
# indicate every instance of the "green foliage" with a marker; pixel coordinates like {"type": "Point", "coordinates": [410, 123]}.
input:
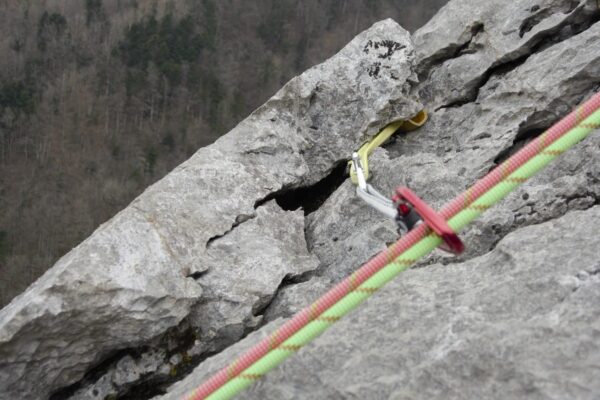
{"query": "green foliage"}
{"type": "Point", "coordinates": [135, 82]}
{"type": "Point", "coordinates": [373, 5]}
{"type": "Point", "coordinates": [173, 72]}
{"type": "Point", "coordinates": [215, 92]}
{"type": "Point", "coordinates": [267, 71]}
{"type": "Point", "coordinates": [301, 48]}
{"type": "Point", "coordinates": [94, 11]}
{"type": "Point", "coordinates": [16, 45]}
{"type": "Point", "coordinates": [168, 141]}
{"type": "Point", "coordinates": [272, 29]}
{"type": "Point", "coordinates": [165, 43]}
{"type": "Point", "coordinates": [115, 151]}
{"type": "Point", "coordinates": [238, 105]}
{"type": "Point", "coordinates": [150, 160]}
{"type": "Point", "coordinates": [210, 23]}
{"type": "Point", "coordinates": [334, 13]}
{"type": "Point", "coordinates": [194, 77]}
{"type": "Point", "coordinates": [18, 96]}
{"type": "Point", "coordinates": [50, 26]}
{"type": "Point", "coordinates": [4, 250]}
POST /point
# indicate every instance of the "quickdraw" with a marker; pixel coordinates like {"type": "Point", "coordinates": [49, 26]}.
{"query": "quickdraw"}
{"type": "Point", "coordinates": [368, 147]}
{"type": "Point", "coordinates": [405, 207]}
{"type": "Point", "coordinates": [368, 279]}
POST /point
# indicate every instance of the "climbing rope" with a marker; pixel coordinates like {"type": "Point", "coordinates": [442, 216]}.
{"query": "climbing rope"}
{"type": "Point", "coordinates": [352, 291]}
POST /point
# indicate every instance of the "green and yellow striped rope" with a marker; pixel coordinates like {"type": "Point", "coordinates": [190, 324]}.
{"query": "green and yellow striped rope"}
{"type": "Point", "coordinates": [404, 261]}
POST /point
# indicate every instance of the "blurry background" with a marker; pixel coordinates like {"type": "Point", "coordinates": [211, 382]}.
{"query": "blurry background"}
{"type": "Point", "coordinates": [101, 98]}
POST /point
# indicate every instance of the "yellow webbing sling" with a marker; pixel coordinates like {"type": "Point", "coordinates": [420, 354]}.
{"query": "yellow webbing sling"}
{"type": "Point", "coordinates": [366, 149]}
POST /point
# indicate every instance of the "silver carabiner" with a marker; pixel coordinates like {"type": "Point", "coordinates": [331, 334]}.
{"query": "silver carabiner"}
{"type": "Point", "coordinates": [369, 194]}
{"type": "Point", "coordinates": [404, 221]}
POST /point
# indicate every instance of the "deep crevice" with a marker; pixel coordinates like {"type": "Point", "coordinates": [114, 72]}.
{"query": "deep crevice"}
{"type": "Point", "coordinates": [499, 69]}
{"type": "Point", "coordinates": [566, 32]}
{"type": "Point", "coordinates": [425, 69]}
{"type": "Point", "coordinates": [240, 219]}
{"type": "Point", "coordinates": [309, 198]}
{"type": "Point", "coordinates": [520, 141]}
{"type": "Point", "coordinates": [176, 340]}
{"type": "Point", "coordinates": [95, 373]}
{"type": "Point", "coordinates": [530, 22]}
{"type": "Point", "coordinates": [286, 282]}
{"type": "Point", "coordinates": [569, 30]}
{"type": "Point", "coordinates": [467, 47]}
{"type": "Point", "coordinates": [155, 384]}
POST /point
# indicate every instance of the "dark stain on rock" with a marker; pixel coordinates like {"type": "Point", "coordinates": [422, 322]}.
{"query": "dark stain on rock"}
{"type": "Point", "coordinates": [389, 46]}
{"type": "Point", "coordinates": [374, 70]}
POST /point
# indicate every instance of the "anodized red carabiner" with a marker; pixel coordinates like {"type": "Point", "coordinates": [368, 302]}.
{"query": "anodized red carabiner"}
{"type": "Point", "coordinates": [435, 221]}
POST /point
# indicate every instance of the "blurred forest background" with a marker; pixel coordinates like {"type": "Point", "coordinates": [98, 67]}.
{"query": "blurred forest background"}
{"type": "Point", "coordinates": [101, 98]}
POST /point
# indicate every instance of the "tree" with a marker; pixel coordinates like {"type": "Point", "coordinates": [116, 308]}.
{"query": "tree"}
{"type": "Point", "coordinates": [94, 11]}
{"type": "Point", "coordinates": [50, 27]}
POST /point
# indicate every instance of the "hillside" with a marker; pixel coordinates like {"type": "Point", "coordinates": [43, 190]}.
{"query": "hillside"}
{"type": "Point", "coordinates": [101, 98]}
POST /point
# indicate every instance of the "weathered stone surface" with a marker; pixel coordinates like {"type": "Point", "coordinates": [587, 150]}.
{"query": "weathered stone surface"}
{"type": "Point", "coordinates": [520, 321]}
{"type": "Point", "coordinates": [113, 291]}
{"type": "Point", "coordinates": [463, 44]}
{"type": "Point", "coordinates": [134, 278]}
{"type": "Point", "coordinates": [462, 143]}
{"type": "Point", "coordinates": [293, 298]}
{"type": "Point", "coordinates": [246, 268]}
{"type": "Point", "coordinates": [208, 254]}
{"type": "Point", "coordinates": [449, 326]}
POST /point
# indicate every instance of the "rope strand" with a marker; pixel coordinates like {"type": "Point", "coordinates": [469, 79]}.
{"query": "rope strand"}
{"type": "Point", "coordinates": [303, 326]}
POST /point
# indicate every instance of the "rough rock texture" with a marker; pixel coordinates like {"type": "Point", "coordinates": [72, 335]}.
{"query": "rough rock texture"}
{"type": "Point", "coordinates": [467, 42]}
{"type": "Point", "coordinates": [521, 321]}
{"type": "Point", "coordinates": [246, 268]}
{"type": "Point", "coordinates": [493, 76]}
{"type": "Point", "coordinates": [215, 250]}
{"type": "Point", "coordinates": [178, 259]}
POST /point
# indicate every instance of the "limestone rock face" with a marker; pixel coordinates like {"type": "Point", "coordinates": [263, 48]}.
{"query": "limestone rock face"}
{"type": "Point", "coordinates": [180, 258]}
{"type": "Point", "coordinates": [113, 291]}
{"type": "Point", "coordinates": [519, 321]}
{"type": "Point", "coordinates": [499, 321]}
{"type": "Point", "coordinates": [467, 41]}
{"type": "Point", "coordinates": [206, 261]}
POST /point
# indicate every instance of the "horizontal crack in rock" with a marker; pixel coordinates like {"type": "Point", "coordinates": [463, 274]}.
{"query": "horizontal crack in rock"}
{"type": "Point", "coordinates": [240, 219]}
{"type": "Point", "coordinates": [512, 61]}
{"type": "Point", "coordinates": [449, 53]}
{"type": "Point", "coordinates": [309, 198]}
{"type": "Point", "coordinates": [175, 342]}
{"type": "Point", "coordinates": [530, 22]}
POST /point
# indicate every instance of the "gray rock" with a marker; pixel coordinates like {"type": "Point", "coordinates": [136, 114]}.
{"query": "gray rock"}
{"type": "Point", "coordinates": [213, 364]}
{"type": "Point", "coordinates": [460, 144]}
{"type": "Point", "coordinates": [294, 297]}
{"type": "Point", "coordinates": [127, 371]}
{"type": "Point", "coordinates": [520, 321]}
{"type": "Point", "coordinates": [207, 255]}
{"type": "Point", "coordinates": [132, 280]}
{"type": "Point", "coordinates": [467, 41]}
{"type": "Point", "coordinates": [246, 268]}
{"type": "Point", "coordinates": [494, 323]}
{"type": "Point", "coordinates": [112, 292]}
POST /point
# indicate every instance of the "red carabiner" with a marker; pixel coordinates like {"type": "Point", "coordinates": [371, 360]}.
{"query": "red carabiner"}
{"type": "Point", "coordinates": [432, 219]}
